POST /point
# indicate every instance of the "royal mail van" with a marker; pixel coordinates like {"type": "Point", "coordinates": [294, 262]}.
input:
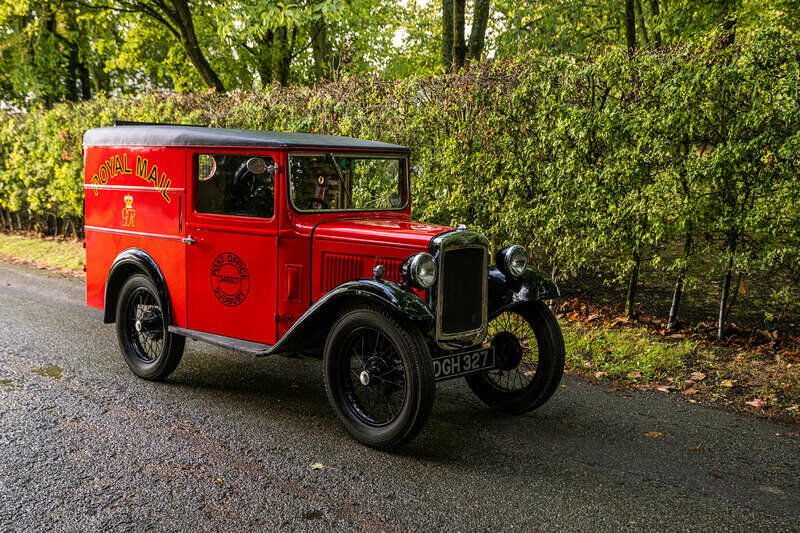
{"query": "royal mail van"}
{"type": "Point", "coordinates": [267, 243]}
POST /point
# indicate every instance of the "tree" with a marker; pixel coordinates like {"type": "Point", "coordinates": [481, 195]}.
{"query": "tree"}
{"type": "Point", "coordinates": [455, 49]}
{"type": "Point", "coordinates": [45, 55]}
{"type": "Point", "coordinates": [176, 17]}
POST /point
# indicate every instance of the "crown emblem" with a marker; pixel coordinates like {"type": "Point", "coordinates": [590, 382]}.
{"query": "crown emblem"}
{"type": "Point", "coordinates": [128, 201]}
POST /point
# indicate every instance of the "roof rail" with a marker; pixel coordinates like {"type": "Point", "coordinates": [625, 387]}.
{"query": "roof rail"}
{"type": "Point", "coordinates": [137, 123]}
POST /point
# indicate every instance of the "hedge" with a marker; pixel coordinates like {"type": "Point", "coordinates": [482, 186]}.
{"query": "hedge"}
{"type": "Point", "coordinates": [598, 162]}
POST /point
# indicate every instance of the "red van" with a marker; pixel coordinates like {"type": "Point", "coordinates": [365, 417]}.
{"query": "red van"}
{"type": "Point", "coordinates": [271, 243]}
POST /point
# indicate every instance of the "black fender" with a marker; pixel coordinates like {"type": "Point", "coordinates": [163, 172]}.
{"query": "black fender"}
{"type": "Point", "coordinates": [506, 291]}
{"type": "Point", "coordinates": [311, 329]}
{"type": "Point", "coordinates": [133, 261]}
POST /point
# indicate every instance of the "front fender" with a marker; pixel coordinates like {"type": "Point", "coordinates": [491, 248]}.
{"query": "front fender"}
{"type": "Point", "coordinates": [312, 327]}
{"type": "Point", "coordinates": [505, 291]}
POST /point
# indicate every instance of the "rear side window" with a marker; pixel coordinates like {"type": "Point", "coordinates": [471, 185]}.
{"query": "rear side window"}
{"type": "Point", "coordinates": [236, 184]}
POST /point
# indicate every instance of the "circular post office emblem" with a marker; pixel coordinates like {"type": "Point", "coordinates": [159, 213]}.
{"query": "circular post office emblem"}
{"type": "Point", "coordinates": [230, 281]}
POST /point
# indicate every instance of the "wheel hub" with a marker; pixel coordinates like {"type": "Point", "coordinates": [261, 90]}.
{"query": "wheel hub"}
{"type": "Point", "coordinates": [508, 350]}
{"type": "Point", "coordinates": [139, 326]}
{"type": "Point", "coordinates": [364, 378]}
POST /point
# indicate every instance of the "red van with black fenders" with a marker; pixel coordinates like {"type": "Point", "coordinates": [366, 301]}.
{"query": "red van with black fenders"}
{"type": "Point", "coordinates": [268, 243]}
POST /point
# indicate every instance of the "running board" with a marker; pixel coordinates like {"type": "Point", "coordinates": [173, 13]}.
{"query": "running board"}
{"type": "Point", "coordinates": [239, 345]}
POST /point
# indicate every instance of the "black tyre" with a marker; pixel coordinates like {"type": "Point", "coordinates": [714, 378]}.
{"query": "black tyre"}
{"type": "Point", "coordinates": [529, 351]}
{"type": "Point", "coordinates": [148, 347]}
{"type": "Point", "coordinates": [379, 377]}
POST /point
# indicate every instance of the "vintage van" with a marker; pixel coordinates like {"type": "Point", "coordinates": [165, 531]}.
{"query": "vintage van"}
{"type": "Point", "coordinates": [270, 243]}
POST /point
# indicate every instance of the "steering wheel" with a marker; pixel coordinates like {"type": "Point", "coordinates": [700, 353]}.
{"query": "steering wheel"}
{"type": "Point", "coordinates": [251, 194]}
{"type": "Point", "coordinates": [310, 202]}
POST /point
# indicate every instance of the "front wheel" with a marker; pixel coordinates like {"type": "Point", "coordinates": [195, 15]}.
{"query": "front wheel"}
{"type": "Point", "coordinates": [150, 350]}
{"type": "Point", "coordinates": [378, 377]}
{"type": "Point", "coordinates": [529, 353]}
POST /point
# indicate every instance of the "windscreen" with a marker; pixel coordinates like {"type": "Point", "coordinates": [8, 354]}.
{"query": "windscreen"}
{"type": "Point", "coordinates": [347, 182]}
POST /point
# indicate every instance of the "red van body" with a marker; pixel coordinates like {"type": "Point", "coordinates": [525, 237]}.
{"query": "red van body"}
{"type": "Point", "coordinates": [172, 251]}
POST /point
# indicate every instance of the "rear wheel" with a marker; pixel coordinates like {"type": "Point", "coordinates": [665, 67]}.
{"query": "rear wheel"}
{"type": "Point", "coordinates": [149, 349]}
{"type": "Point", "coordinates": [379, 377]}
{"type": "Point", "coordinates": [529, 352]}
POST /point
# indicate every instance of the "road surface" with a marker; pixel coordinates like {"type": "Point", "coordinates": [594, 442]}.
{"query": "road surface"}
{"type": "Point", "coordinates": [227, 444]}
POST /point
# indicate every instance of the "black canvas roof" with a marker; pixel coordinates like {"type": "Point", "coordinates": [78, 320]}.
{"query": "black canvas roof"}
{"type": "Point", "coordinates": [175, 135]}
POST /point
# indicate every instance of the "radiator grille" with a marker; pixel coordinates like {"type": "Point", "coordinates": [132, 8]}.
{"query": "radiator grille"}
{"type": "Point", "coordinates": [392, 268]}
{"type": "Point", "coordinates": [338, 268]}
{"type": "Point", "coordinates": [461, 290]}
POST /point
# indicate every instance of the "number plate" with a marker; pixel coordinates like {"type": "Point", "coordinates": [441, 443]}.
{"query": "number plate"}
{"type": "Point", "coordinates": [461, 364]}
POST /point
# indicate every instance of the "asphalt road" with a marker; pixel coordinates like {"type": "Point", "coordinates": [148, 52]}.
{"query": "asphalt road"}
{"type": "Point", "coordinates": [227, 443]}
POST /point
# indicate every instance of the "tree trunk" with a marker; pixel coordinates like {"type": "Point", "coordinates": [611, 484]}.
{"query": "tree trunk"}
{"type": "Point", "coordinates": [71, 75]}
{"type": "Point", "coordinates": [447, 35]}
{"type": "Point", "coordinates": [630, 26]}
{"type": "Point", "coordinates": [264, 57]}
{"type": "Point", "coordinates": [733, 296]}
{"type": "Point", "coordinates": [726, 286]}
{"type": "Point", "coordinates": [183, 19]}
{"type": "Point", "coordinates": [655, 11]}
{"type": "Point", "coordinates": [633, 286]}
{"type": "Point", "coordinates": [678, 291]}
{"type": "Point", "coordinates": [283, 40]}
{"type": "Point", "coordinates": [320, 50]}
{"type": "Point", "coordinates": [642, 26]}
{"type": "Point", "coordinates": [480, 18]}
{"type": "Point", "coordinates": [86, 81]}
{"type": "Point", "coordinates": [459, 45]}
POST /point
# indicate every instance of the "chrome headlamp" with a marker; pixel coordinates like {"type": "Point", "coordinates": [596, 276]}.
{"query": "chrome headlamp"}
{"type": "Point", "coordinates": [513, 260]}
{"type": "Point", "coordinates": [419, 270]}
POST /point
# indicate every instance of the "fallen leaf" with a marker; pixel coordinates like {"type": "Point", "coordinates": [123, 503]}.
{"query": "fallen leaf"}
{"type": "Point", "coordinates": [726, 383]}
{"type": "Point", "coordinates": [218, 481]}
{"type": "Point", "coordinates": [316, 466]}
{"type": "Point", "coordinates": [665, 388]}
{"type": "Point", "coordinates": [771, 490]}
{"type": "Point", "coordinates": [690, 391]}
{"type": "Point", "coordinates": [758, 403]}
{"type": "Point", "coordinates": [635, 374]}
{"type": "Point", "coordinates": [698, 376]}
{"type": "Point", "coordinates": [600, 374]}
{"type": "Point", "coordinates": [715, 474]}
{"type": "Point", "coordinates": [699, 449]}
{"type": "Point", "coordinates": [653, 434]}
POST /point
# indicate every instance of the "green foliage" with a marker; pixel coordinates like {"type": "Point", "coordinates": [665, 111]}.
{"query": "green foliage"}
{"type": "Point", "coordinates": [597, 161]}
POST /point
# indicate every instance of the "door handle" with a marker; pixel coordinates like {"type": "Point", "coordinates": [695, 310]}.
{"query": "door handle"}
{"type": "Point", "coordinates": [188, 240]}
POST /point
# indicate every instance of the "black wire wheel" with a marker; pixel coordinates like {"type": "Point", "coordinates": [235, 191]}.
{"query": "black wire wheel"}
{"type": "Point", "coordinates": [529, 359]}
{"type": "Point", "coordinates": [378, 377]}
{"type": "Point", "coordinates": [149, 349]}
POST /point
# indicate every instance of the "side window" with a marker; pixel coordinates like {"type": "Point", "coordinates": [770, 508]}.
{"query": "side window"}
{"type": "Point", "coordinates": [236, 184]}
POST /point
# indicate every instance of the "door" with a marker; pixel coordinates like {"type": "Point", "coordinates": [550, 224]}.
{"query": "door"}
{"type": "Point", "coordinates": [232, 256]}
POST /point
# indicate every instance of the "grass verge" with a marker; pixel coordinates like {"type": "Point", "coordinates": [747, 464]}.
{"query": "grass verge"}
{"type": "Point", "coordinates": [61, 255]}
{"type": "Point", "coordinates": [633, 358]}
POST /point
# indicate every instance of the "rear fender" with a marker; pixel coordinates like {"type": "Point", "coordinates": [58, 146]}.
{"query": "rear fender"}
{"type": "Point", "coordinates": [506, 292]}
{"type": "Point", "coordinates": [129, 262]}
